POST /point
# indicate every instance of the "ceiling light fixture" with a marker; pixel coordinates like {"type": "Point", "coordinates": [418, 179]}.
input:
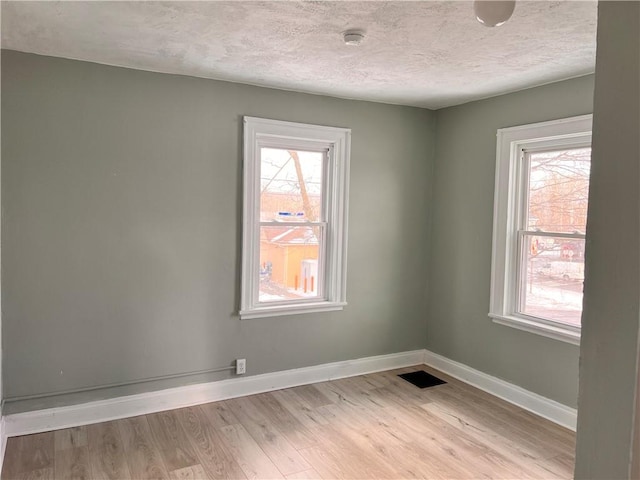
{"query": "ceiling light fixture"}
{"type": "Point", "coordinates": [492, 13]}
{"type": "Point", "coordinates": [353, 37]}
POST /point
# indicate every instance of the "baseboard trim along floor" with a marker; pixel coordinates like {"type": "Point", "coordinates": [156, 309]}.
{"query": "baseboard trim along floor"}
{"type": "Point", "coordinates": [542, 406]}
{"type": "Point", "coordinates": [168, 399]}
{"type": "Point", "coordinates": [189, 395]}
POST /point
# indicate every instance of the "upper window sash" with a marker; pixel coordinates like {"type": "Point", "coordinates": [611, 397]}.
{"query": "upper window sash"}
{"type": "Point", "coordinates": [510, 215]}
{"type": "Point", "coordinates": [524, 181]}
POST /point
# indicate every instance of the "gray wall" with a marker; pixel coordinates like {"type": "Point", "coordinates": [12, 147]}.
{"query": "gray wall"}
{"type": "Point", "coordinates": [121, 229]}
{"type": "Point", "coordinates": [608, 376]}
{"type": "Point", "coordinates": [462, 220]}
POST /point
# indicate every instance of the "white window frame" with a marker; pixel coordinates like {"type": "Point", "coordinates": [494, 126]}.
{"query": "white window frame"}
{"type": "Point", "coordinates": [512, 142]}
{"type": "Point", "coordinates": [336, 142]}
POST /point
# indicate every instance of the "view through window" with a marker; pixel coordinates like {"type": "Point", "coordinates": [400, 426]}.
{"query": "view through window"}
{"type": "Point", "coordinates": [552, 234]}
{"type": "Point", "coordinates": [292, 224]}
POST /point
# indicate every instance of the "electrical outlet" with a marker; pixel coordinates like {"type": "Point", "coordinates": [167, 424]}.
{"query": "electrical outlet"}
{"type": "Point", "coordinates": [241, 366]}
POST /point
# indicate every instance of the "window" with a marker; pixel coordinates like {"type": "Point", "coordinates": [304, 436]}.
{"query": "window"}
{"type": "Point", "coordinates": [539, 226]}
{"type": "Point", "coordinates": [295, 218]}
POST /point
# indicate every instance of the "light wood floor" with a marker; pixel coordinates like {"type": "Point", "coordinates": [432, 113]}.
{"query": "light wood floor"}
{"type": "Point", "coordinates": [372, 426]}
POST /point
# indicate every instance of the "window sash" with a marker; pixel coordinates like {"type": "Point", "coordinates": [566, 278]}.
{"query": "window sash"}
{"type": "Point", "coordinates": [545, 233]}
{"type": "Point", "coordinates": [323, 224]}
{"type": "Point", "coordinates": [523, 170]}
{"type": "Point", "coordinates": [322, 265]}
{"type": "Point", "coordinates": [327, 162]}
{"type": "Point", "coordinates": [521, 272]}
{"type": "Point", "coordinates": [524, 173]}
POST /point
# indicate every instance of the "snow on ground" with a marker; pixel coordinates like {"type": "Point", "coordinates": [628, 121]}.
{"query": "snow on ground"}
{"type": "Point", "coordinates": [556, 300]}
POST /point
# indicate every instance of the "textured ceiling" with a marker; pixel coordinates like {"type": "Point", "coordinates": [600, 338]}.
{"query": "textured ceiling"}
{"type": "Point", "coordinates": [425, 53]}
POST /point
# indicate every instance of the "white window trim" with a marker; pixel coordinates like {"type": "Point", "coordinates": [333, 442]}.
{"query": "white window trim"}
{"type": "Point", "coordinates": [510, 142]}
{"type": "Point", "coordinates": [261, 132]}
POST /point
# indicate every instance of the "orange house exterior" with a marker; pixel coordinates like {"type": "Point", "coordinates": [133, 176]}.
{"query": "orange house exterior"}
{"type": "Point", "coordinates": [286, 248]}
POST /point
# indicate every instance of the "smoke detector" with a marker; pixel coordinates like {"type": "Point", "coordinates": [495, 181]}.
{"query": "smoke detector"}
{"type": "Point", "coordinates": [353, 37]}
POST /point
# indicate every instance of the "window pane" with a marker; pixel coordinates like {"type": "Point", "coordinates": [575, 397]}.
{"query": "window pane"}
{"type": "Point", "coordinates": [552, 278]}
{"type": "Point", "coordinates": [559, 190]}
{"type": "Point", "coordinates": [290, 185]}
{"type": "Point", "coordinates": [289, 263]}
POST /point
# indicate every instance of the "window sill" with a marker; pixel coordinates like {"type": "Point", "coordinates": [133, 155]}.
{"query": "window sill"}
{"type": "Point", "coordinates": [557, 332]}
{"type": "Point", "coordinates": [280, 310]}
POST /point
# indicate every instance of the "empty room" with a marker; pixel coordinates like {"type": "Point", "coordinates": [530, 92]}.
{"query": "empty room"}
{"type": "Point", "coordinates": [320, 239]}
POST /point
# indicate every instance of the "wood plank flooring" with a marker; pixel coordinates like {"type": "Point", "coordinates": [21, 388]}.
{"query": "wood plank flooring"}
{"type": "Point", "coordinates": [371, 426]}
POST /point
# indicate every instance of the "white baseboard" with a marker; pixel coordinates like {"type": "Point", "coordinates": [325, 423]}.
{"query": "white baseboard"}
{"type": "Point", "coordinates": [542, 406]}
{"type": "Point", "coordinates": [168, 399]}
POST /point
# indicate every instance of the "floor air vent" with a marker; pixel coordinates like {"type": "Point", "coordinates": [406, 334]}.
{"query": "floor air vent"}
{"type": "Point", "coordinates": [421, 379]}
